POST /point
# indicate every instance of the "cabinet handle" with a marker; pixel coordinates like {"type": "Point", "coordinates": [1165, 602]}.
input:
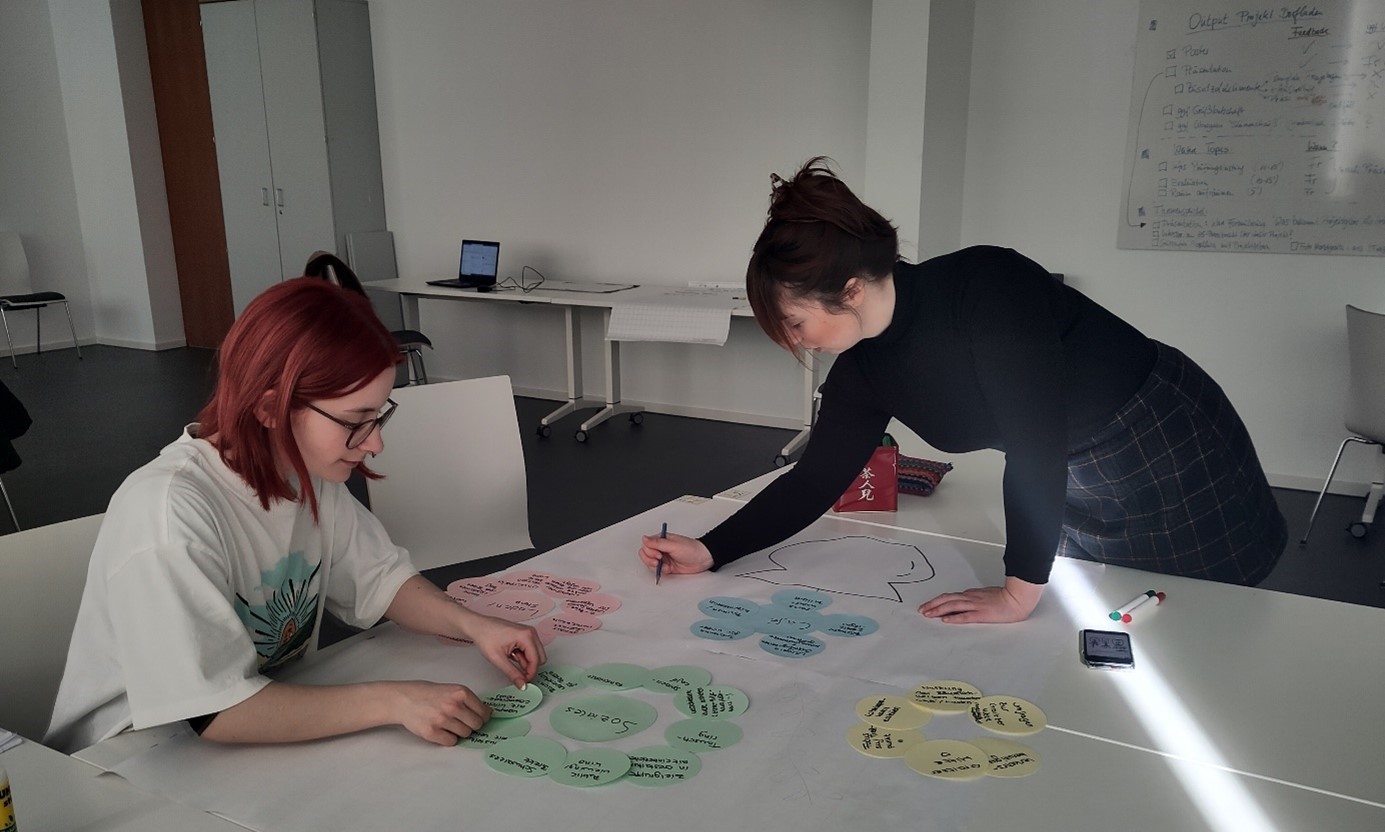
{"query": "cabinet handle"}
{"type": "Point", "coordinates": [279, 196]}
{"type": "Point", "coordinates": [264, 195]}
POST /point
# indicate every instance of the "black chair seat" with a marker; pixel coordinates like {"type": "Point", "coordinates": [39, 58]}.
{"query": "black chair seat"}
{"type": "Point", "coordinates": [411, 338]}
{"type": "Point", "coordinates": [33, 299]}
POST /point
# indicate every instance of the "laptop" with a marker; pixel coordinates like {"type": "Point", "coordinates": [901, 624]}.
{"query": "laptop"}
{"type": "Point", "coordinates": [480, 262]}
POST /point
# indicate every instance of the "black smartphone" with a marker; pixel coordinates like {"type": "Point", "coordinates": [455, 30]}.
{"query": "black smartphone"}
{"type": "Point", "coordinates": [1106, 649]}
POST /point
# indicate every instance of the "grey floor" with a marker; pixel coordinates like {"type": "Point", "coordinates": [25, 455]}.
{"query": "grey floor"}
{"type": "Point", "coordinates": [98, 419]}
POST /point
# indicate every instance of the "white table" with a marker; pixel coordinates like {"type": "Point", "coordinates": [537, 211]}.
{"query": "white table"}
{"type": "Point", "coordinates": [411, 290]}
{"type": "Point", "coordinates": [1247, 710]}
{"type": "Point", "coordinates": [53, 791]}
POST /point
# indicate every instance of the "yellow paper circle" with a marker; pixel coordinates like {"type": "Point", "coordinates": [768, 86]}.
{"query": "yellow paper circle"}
{"type": "Point", "coordinates": [1007, 757]}
{"type": "Point", "coordinates": [1008, 715]}
{"type": "Point", "coordinates": [892, 712]}
{"type": "Point", "coordinates": [948, 759]}
{"type": "Point", "coordinates": [874, 741]}
{"type": "Point", "coordinates": [945, 696]}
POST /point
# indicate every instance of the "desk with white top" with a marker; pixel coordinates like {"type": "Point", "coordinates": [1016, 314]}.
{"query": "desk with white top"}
{"type": "Point", "coordinates": [53, 791]}
{"type": "Point", "coordinates": [1247, 710]}
{"type": "Point", "coordinates": [411, 290]}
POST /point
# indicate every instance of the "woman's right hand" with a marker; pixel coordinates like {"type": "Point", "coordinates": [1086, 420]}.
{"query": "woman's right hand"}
{"type": "Point", "coordinates": [681, 555]}
{"type": "Point", "coordinates": [439, 713]}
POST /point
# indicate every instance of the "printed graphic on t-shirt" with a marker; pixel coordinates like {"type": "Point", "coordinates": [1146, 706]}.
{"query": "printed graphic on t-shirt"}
{"type": "Point", "coordinates": [282, 625]}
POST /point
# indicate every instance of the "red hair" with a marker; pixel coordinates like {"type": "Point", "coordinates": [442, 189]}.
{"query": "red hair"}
{"type": "Point", "coordinates": [302, 339]}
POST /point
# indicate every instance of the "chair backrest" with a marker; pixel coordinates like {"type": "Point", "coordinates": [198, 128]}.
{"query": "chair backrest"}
{"type": "Point", "coordinates": [371, 254]}
{"type": "Point", "coordinates": [14, 265]}
{"type": "Point", "coordinates": [327, 266]}
{"type": "Point", "coordinates": [44, 572]}
{"type": "Point", "coordinates": [1365, 414]}
{"type": "Point", "coordinates": [454, 487]}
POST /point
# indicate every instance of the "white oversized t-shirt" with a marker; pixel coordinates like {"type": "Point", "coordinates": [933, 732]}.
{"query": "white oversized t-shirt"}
{"type": "Point", "coordinates": [195, 591]}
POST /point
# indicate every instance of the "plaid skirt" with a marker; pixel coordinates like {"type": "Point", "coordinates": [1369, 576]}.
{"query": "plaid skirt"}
{"type": "Point", "coordinates": [1172, 484]}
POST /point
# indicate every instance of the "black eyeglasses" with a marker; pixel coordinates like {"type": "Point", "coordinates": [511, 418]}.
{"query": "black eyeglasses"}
{"type": "Point", "coordinates": [360, 431]}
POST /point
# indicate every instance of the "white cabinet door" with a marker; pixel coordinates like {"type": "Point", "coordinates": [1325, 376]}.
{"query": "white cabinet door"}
{"type": "Point", "coordinates": [242, 148]}
{"type": "Point", "coordinates": [297, 136]}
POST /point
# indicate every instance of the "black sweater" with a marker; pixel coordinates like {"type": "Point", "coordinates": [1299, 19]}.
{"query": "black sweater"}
{"type": "Point", "coordinates": [985, 350]}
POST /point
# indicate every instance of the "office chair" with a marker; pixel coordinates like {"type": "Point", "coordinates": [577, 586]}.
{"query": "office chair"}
{"type": "Point", "coordinates": [17, 294]}
{"type": "Point", "coordinates": [453, 494]}
{"type": "Point", "coordinates": [1365, 413]}
{"type": "Point", "coordinates": [328, 266]}
{"type": "Point", "coordinates": [47, 569]}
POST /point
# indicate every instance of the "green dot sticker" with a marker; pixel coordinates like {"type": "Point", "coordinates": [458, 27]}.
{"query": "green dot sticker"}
{"type": "Point", "coordinates": [555, 678]}
{"type": "Point", "coordinates": [894, 713]}
{"type": "Point", "coordinates": [511, 702]}
{"type": "Point", "coordinates": [717, 701]}
{"type": "Point", "coordinates": [1008, 715]}
{"type": "Point", "coordinates": [526, 756]}
{"type": "Point", "coordinates": [602, 718]}
{"type": "Point", "coordinates": [882, 743]}
{"type": "Point", "coordinates": [948, 760]}
{"type": "Point", "coordinates": [676, 677]}
{"type": "Point", "coordinates": [659, 765]}
{"type": "Point", "coordinates": [703, 734]}
{"type": "Point", "coordinates": [591, 767]}
{"type": "Point", "coordinates": [945, 696]}
{"type": "Point", "coordinates": [617, 676]}
{"type": "Point", "coordinates": [1007, 757]}
{"type": "Point", "coordinates": [495, 732]}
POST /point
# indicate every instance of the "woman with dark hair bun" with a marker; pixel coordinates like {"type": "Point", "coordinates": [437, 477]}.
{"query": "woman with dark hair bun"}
{"type": "Point", "coordinates": [216, 561]}
{"type": "Point", "coordinates": [1117, 448]}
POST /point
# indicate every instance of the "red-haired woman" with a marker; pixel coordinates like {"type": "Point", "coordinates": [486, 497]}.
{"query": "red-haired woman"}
{"type": "Point", "coordinates": [1117, 448]}
{"type": "Point", "coordinates": [215, 562]}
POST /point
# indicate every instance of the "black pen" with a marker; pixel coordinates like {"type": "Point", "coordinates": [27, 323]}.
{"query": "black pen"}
{"type": "Point", "coordinates": [659, 569]}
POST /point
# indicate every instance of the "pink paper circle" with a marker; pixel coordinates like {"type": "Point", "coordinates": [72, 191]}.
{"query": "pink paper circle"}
{"type": "Point", "coordinates": [593, 603]}
{"type": "Point", "coordinates": [569, 623]}
{"type": "Point", "coordinates": [570, 587]}
{"type": "Point", "coordinates": [467, 588]}
{"type": "Point", "coordinates": [524, 580]}
{"type": "Point", "coordinates": [513, 605]}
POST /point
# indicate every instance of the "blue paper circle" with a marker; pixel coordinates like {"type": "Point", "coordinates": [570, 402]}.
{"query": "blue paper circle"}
{"type": "Point", "coordinates": [848, 626]}
{"type": "Point", "coordinates": [801, 600]}
{"type": "Point", "coordinates": [722, 629]}
{"type": "Point", "coordinates": [792, 647]}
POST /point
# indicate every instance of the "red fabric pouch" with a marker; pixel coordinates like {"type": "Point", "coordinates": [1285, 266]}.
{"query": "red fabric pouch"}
{"type": "Point", "coordinates": [876, 488]}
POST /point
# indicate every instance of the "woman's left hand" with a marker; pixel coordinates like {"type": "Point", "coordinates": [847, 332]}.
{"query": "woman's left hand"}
{"type": "Point", "coordinates": [514, 648]}
{"type": "Point", "coordinates": [986, 604]}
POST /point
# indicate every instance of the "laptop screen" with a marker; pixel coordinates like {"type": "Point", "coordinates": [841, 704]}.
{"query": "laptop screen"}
{"type": "Point", "coordinates": [480, 260]}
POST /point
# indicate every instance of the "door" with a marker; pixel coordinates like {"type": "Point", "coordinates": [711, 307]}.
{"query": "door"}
{"type": "Point", "coordinates": [297, 135]}
{"type": "Point", "coordinates": [242, 148]}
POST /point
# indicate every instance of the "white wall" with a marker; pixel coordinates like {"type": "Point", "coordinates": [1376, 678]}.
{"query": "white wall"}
{"type": "Point", "coordinates": [609, 140]}
{"type": "Point", "coordinates": [1051, 87]}
{"type": "Point", "coordinates": [103, 73]}
{"type": "Point", "coordinates": [37, 195]}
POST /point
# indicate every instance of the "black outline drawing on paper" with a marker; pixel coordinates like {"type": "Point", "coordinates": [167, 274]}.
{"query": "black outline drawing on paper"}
{"type": "Point", "coordinates": [854, 572]}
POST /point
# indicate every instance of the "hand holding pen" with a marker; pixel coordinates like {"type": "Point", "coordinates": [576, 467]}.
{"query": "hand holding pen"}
{"type": "Point", "coordinates": [673, 554]}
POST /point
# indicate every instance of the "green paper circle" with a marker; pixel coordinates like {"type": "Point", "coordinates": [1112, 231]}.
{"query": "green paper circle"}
{"type": "Point", "coordinates": [495, 732]}
{"type": "Point", "coordinates": [602, 718]}
{"type": "Point", "coordinates": [591, 767]}
{"type": "Point", "coordinates": [717, 701]}
{"type": "Point", "coordinates": [511, 702]}
{"type": "Point", "coordinates": [659, 765]}
{"type": "Point", "coordinates": [703, 734]}
{"type": "Point", "coordinates": [526, 756]}
{"type": "Point", "coordinates": [617, 676]}
{"type": "Point", "coordinates": [556, 678]}
{"type": "Point", "coordinates": [676, 677]}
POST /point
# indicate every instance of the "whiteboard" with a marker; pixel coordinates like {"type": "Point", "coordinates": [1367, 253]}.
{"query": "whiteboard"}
{"type": "Point", "coordinates": [1257, 128]}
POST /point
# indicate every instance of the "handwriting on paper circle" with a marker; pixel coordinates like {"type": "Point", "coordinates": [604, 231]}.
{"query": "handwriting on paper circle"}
{"type": "Point", "coordinates": [526, 756]}
{"type": "Point", "coordinates": [717, 701]}
{"type": "Point", "coordinates": [1008, 715]}
{"type": "Point", "coordinates": [591, 767]}
{"type": "Point", "coordinates": [787, 623]}
{"type": "Point", "coordinates": [659, 765]}
{"type": "Point", "coordinates": [602, 718]}
{"type": "Point", "coordinates": [702, 733]}
{"type": "Point", "coordinates": [496, 731]}
{"type": "Point", "coordinates": [948, 759]}
{"type": "Point", "coordinates": [513, 605]}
